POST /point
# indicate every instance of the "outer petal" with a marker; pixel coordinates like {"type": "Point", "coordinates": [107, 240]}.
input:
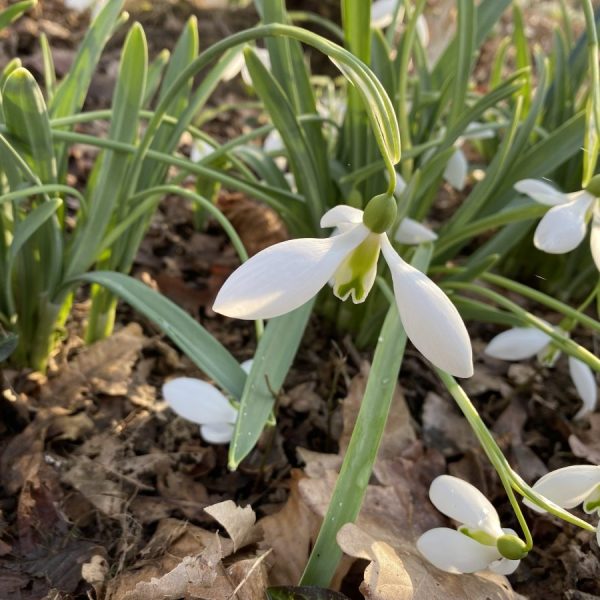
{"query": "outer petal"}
{"type": "Point", "coordinates": [217, 433]}
{"type": "Point", "coordinates": [79, 5]}
{"type": "Point", "coordinates": [234, 67]}
{"type": "Point", "coordinates": [247, 365]}
{"type": "Point", "coordinates": [541, 192]}
{"type": "Point", "coordinates": [464, 503]}
{"type": "Point", "coordinates": [430, 320]}
{"type": "Point", "coordinates": [585, 384]}
{"type": "Point", "coordinates": [200, 149]}
{"type": "Point", "coordinates": [595, 236]}
{"type": "Point", "coordinates": [456, 170]}
{"type": "Point", "coordinates": [340, 215]}
{"type": "Point", "coordinates": [454, 552]}
{"type": "Point", "coordinates": [413, 232]}
{"type": "Point", "coordinates": [285, 276]}
{"type": "Point", "coordinates": [504, 566]}
{"type": "Point", "coordinates": [517, 343]}
{"type": "Point", "coordinates": [563, 227]}
{"type": "Point", "coordinates": [423, 31]}
{"type": "Point", "coordinates": [382, 13]}
{"type": "Point", "coordinates": [198, 401]}
{"type": "Point", "coordinates": [567, 487]}
{"type": "Point", "coordinates": [478, 131]}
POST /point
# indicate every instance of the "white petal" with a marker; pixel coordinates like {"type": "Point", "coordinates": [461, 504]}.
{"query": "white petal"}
{"type": "Point", "coordinates": [247, 365]}
{"type": "Point", "coordinates": [263, 56]}
{"type": "Point", "coordinates": [454, 552]}
{"type": "Point", "coordinates": [200, 149]}
{"type": "Point", "coordinates": [517, 343]}
{"type": "Point", "coordinates": [340, 215]}
{"type": "Point", "coordinates": [79, 5]}
{"type": "Point", "coordinates": [567, 487]}
{"type": "Point", "coordinates": [273, 142]}
{"type": "Point", "coordinates": [456, 170]}
{"type": "Point", "coordinates": [198, 401]}
{"type": "Point", "coordinates": [423, 31]}
{"type": "Point", "coordinates": [585, 384]}
{"type": "Point", "coordinates": [595, 237]}
{"type": "Point", "coordinates": [413, 232]}
{"type": "Point", "coordinates": [464, 503]}
{"type": "Point", "coordinates": [284, 276]}
{"type": "Point", "coordinates": [478, 131]}
{"type": "Point", "coordinates": [217, 433]}
{"type": "Point", "coordinates": [504, 566]}
{"type": "Point", "coordinates": [541, 192]}
{"type": "Point", "coordinates": [430, 320]}
{"type": "Point", "coordinates": [234, 67]}
{"type": "Point", "coordinates": [382, 13]}
{"type": "Point", "coordinates": [563, 227]}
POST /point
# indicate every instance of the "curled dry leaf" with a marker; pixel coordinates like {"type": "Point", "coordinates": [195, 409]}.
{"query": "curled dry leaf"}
{"type": "Point", "coordinates": [398, 572]}
{"type": "Point", "coordinates": [237, 521]}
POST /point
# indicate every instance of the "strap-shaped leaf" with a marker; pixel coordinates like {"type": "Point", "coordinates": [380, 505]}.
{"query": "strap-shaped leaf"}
{"type": "Point", "coordinates": [107, 188]}
{"type": "Point", "coordinates": [12, 13]}
{"type": "Point", "coordinates": [197, 344]}
{"type": "Point", "coordinates": [272, 361]}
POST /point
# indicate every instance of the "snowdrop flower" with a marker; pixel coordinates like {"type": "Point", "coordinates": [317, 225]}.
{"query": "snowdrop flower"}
{"type": "Point", "coordinates": [83, 5]}
{"type": "Point", "coordinates": [382, 15]}
{"type": "Point", "coordinates": [564, 226]}
{"type": "Point", "coordinates": [286, 275]}
{"type": "Point", "coordinates": [458, 167]}
{"type": "Point", "coordinates": [202, 403]}
{"type": "Point", "coordinates": [273, 144]}
{"type": "Point", "coordinates": [479, 543]}
{"type": "Point", "coordinates": [520, 343]}
{"type": "Point", "coordinates": [200, 149]}
{"type": "Point", "coordinates": [263, 55]}
{"type": "Point", "coordinates": [570, 486]}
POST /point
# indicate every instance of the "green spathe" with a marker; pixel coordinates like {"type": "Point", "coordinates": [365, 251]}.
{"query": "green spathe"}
{"type": "Point", "coordinates": [511, 547]}
{"type": "Point", "coordinates": [380, 213]}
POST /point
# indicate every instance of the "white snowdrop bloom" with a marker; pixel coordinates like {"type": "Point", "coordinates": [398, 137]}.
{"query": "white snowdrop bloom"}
{"type": "Point", "coordinates": [412, 232]}
{"type": "Point", "coordinates": [564, 226]}
{"type": "Point", "coordinates": [234, 67]}
{"type": "Point", "coordinates": [83, 5]}
{"type": "Point", "coordinates": [382, 15]}
{"type": "Point", "coordinates": [285, 276]}
{"type": "Point", "coordinates": [480, 543]}
{"type": "Point", "coordinates": [520, 343]}
{"type": "Point", "coordinates": [457, 168]}
{"type": "Point", "coordinates": [273, 144]}
{"type": "Point", "coordinates": [332, 106]}
{"type": "Point", "coordinates": [200, 149]}
{"type": "Point", "coordinates": [570, 486]}
{"type": "Point", "coordinates": [265, 59]}
{"type": "Point", "coordinates": [202, 403]}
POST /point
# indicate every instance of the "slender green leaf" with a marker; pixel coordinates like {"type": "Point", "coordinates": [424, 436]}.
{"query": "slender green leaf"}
{"type": "Point", "coordinates": [12, 13]}
{"type": "Point", "coordinates": [272, 360]}
{"type": "Point", "coordinates": [197, 344]}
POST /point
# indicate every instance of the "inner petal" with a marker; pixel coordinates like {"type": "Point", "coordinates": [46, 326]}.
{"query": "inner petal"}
{"type": "Point", "coordinates": [356, 274]}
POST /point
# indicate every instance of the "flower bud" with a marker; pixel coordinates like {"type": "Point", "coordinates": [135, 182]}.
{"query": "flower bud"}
{"type": "Point", "coordinates": [593, 187]}
{"type": "Point", "coordinates": [380, 213]}
{"type": "Point", "coordinates": [511, 547]}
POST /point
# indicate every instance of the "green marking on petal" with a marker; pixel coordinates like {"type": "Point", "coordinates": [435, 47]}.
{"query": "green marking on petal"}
{"type": "Point", "coordinates": [356, 274]}
{"type": "Point", "coordinates": [479, 536]}
{"type": "Point", "coordinates": [592, 502]}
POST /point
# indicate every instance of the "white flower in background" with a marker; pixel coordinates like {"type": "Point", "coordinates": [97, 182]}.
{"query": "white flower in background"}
{"type": "Point", "coordinates": [520, 343]}
{"type": "Point", "coordinates": [457, 168]}
{"type": "Point", "coordinates": [200, 149]}
{"type": "Point", "coordinates": [480, 543]}
{"type": "Point", "coordinates": [202, 403]}
{"type": "Point", "coordinates": [564, 226]}
{"type": "Point", "coordinates": [382, 15]}
{"type": "Point", "coordinates": [265, 59]}
{"type": "Point", "coordinates": [273, 144]}
{"type": "Point", "coordinates": [83, 5]}
{"type": "Point", "coordinates": [285, 276]}
{"type": "Point", "coordinates": [332, 106]}
{"type": "Point", "coordinates": [570, 486]}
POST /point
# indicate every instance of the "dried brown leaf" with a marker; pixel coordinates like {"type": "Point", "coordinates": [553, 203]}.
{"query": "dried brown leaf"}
{"type": "Point", "coordinates": [237, 521]}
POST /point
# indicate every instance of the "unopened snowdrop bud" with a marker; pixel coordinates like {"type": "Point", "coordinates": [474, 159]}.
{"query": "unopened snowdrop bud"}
{"type": "Point", "coordinates": [511, 547]}
{"type": "Point", "coordinates": [593, 187]}
{"type": "Point", "coordinates": [380, 213]}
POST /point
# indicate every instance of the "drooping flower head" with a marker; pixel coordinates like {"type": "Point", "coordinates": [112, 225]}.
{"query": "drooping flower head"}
{"type": "Point", "coordinates": [569, 487]}
{"type": "Point", "coordinates": [520, 343]}
{"type": "Point", "coordinates": [479, 543]}
{"type": "Point", "coordinates": [202, 403]}
{"type": "Point", "coordinates": [565, 225]}
{"type": "Point", "coordinates": [286, 275]}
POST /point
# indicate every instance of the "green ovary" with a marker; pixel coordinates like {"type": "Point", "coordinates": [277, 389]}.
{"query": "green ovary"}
{"type": "Point", "coordinates": [356, 274]}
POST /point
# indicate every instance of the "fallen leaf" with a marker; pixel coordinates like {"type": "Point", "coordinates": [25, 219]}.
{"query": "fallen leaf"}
{"type": "Point", "coordinates": [237, 521]}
